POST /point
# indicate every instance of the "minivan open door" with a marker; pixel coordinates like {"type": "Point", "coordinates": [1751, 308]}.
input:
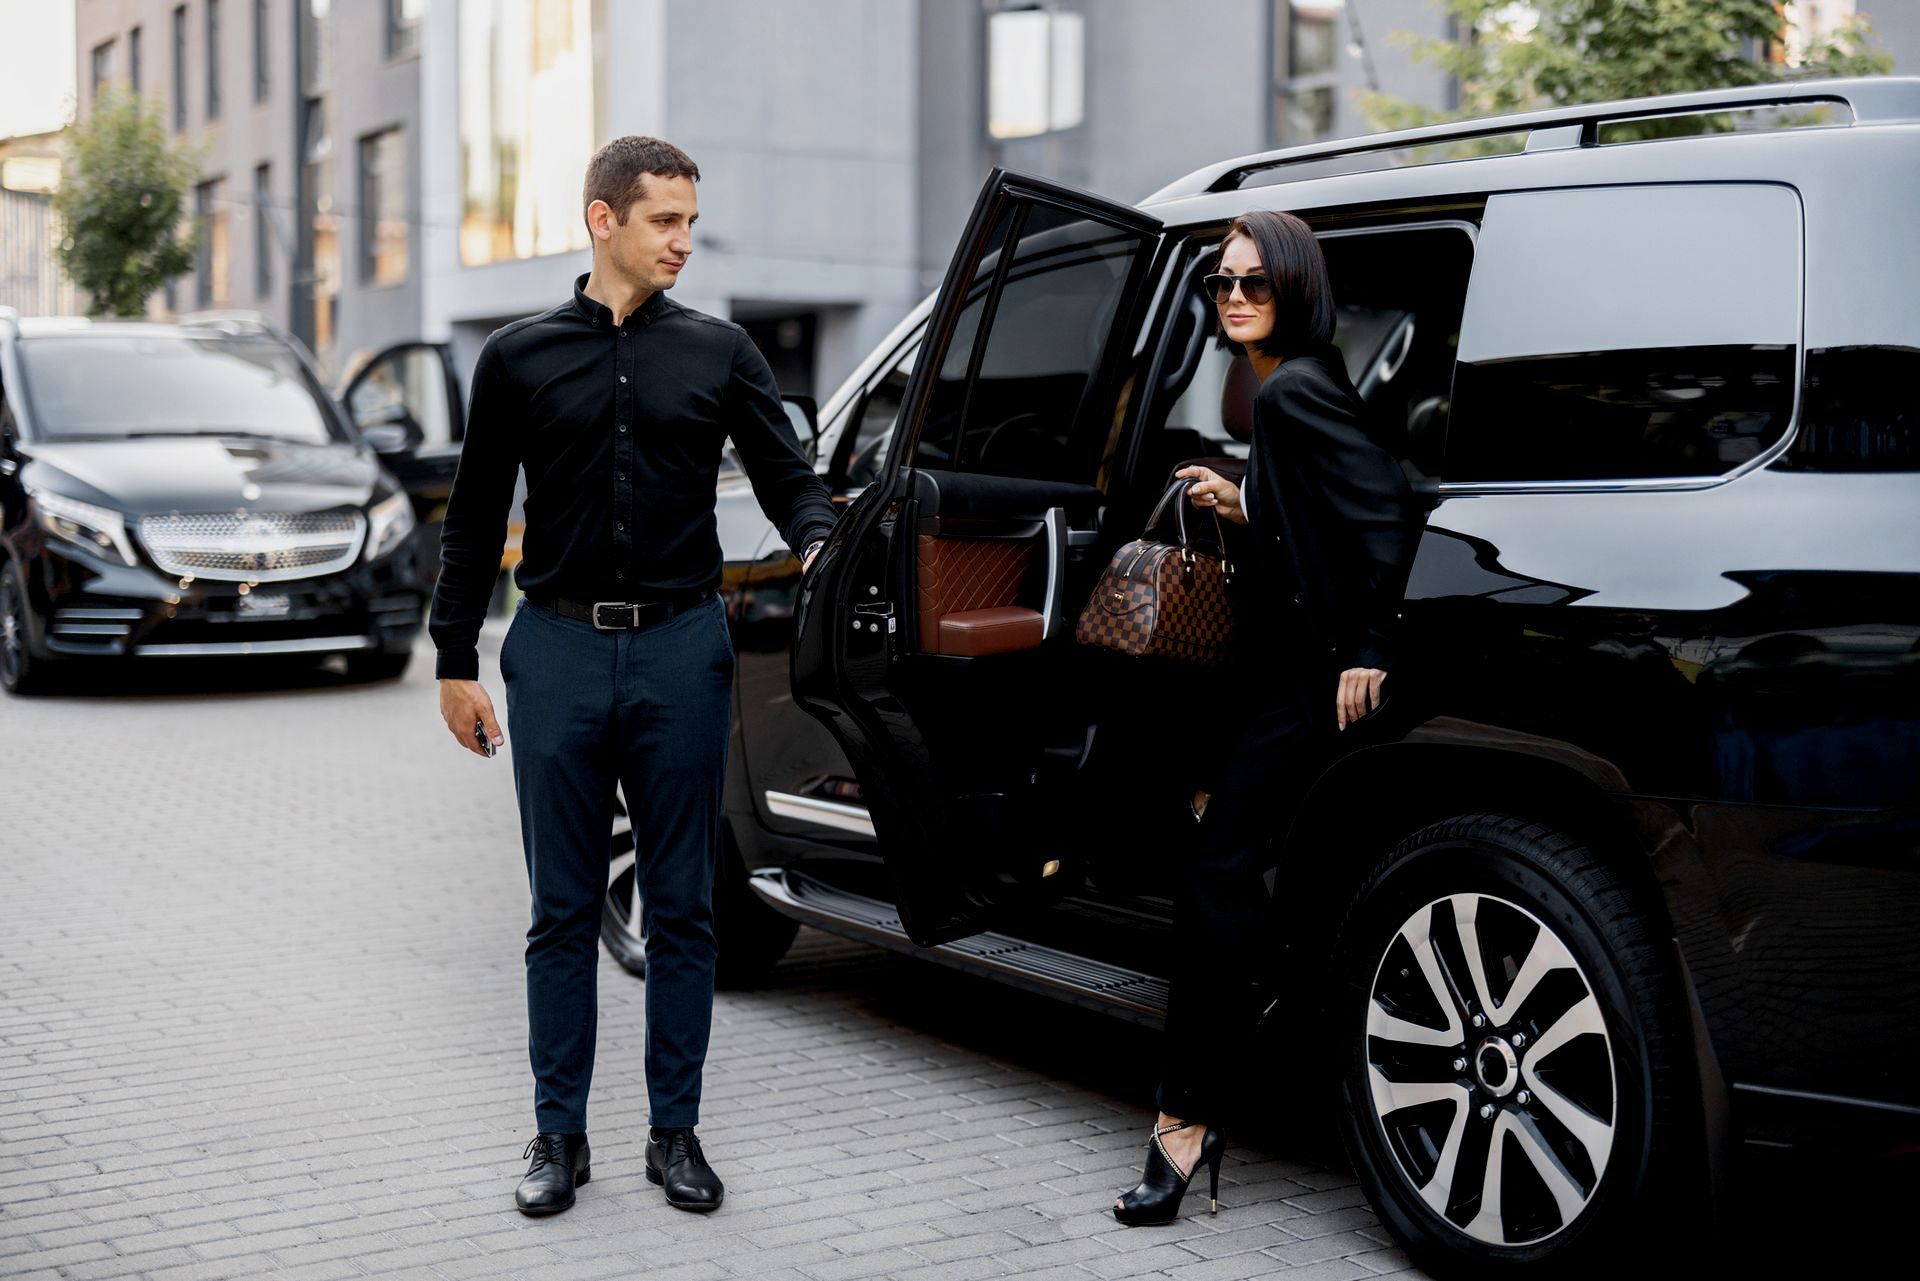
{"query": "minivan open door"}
{"type": "Point", "coordinates": [934, 634]}
{"type": "Point", "coordinates": [406, 401]}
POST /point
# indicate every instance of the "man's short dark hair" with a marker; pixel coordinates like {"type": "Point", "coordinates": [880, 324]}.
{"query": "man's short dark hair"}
{"type": "Point", "coordinates": [618, 172]}
{"type": "Point", "coordinates": [1302, 293]}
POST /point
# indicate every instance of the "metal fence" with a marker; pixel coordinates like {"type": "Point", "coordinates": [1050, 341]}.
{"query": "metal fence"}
{"type": "Point", "coordinates": [30, 279]}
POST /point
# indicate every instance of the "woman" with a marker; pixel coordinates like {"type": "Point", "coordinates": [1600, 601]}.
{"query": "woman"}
{"type": "Point", "coordinates": [1331, 525]}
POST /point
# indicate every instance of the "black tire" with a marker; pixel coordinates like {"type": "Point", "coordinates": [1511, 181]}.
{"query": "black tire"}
{"type": "Point", "coordinates": [21, 672]}
{"type": "Point", "coordinates": [752, 937]}
{"type": "Point", "coordinates": [1575, 1076]}
{"type": "Point", "coordinates": [378, 665]}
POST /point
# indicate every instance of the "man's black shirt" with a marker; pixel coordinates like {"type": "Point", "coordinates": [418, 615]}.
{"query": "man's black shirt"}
{"type": "Point", "coordinates": [620, 429]}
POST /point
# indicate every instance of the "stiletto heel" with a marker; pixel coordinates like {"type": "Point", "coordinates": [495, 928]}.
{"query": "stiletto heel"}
{"type": "Point", "coordinates": [1157, 1197]}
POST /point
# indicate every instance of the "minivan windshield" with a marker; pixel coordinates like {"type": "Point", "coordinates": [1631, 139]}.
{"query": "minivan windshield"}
{"type": "Point", "coordinates": [115, 387]}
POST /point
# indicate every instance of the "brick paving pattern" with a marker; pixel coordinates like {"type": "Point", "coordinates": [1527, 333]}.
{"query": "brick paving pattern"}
{"type": "Point", "coordinates": [262, 1014]}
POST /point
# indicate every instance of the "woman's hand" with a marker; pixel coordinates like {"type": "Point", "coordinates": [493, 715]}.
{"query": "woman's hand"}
{"type": "Point", "coordinates": [1358, 694]}
{"type": "Point", "coordinates": [1212, 490]}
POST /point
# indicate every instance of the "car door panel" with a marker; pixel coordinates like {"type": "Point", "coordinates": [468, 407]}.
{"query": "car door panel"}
{"type": "Point", "coordinates": [932, 637]}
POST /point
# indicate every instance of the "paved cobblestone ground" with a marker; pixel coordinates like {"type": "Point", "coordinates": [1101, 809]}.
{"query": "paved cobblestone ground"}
{"type": "Point", "coordinates": [261, 1014]}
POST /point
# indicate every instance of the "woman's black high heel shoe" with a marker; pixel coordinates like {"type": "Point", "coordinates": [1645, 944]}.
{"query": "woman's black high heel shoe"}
{"type": "Point", "coordinates": [1157, 1198]}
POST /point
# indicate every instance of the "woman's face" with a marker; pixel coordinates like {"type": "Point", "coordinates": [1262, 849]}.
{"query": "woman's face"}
{"type": "Point", "coordinates": [1243, 321]}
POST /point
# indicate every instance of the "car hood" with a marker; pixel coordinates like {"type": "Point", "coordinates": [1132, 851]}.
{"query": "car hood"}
{"type": "Point", "coordinates": [206, 473]}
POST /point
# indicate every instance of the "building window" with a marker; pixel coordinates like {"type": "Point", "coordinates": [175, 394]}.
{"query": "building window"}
{"type": "Point", "coordinates": [529, 97]}
{"type": "Point", "coordinates": [102, 67]}
{"type": "Point", "coordinates": [1306, 69]}
{"type": "Point", "coordinates": [323, 225]}
{"type": "Point", "coordinates": [262, 47]}
{"type": "Point", "coordinates": [133, 60]}
{"type": "Point", "coordinates": [210, 265]}
{"type": "Point", "coordinates": [180, 68]}
{"type": "Point", "coordinates": [263, 231]}
{"type": "Point", "coordinates": [403, 26]}
{"type": "Point", "coordinates": [213, 59]}
{"type": "Point", "coordinates": [1036, 72]}
{"type": "Point", "coordinates": [383, 208]}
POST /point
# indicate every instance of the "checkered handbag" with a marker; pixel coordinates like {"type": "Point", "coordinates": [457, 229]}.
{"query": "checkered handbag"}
{"type": "Point", "coordinates": [1164, 600]}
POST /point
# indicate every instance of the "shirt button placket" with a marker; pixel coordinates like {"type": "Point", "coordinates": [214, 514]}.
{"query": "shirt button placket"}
{"type": "Point", "coordinates": [623, 452]}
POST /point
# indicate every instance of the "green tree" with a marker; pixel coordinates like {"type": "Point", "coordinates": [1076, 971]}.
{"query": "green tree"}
{"type": "Point", "coordinates": [1554, 53]}
{"type": "Point", "coordinates": [122, 201]}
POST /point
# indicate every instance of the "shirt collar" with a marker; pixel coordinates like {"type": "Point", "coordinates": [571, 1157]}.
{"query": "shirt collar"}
{"type": "Point", "coordinates": [599, 314]}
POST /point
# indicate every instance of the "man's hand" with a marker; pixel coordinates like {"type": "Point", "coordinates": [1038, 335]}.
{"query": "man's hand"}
{"type": "Point", "coordinates": [461, 704]}
{"type": "Point", "coordinates": [1359, 693]}
{"type": "Point", "coordinates": [807, 564]}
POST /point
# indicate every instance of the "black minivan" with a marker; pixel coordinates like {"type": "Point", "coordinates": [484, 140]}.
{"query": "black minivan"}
{"type": "Point", "coordinates": [192, 490]}
{"type": "Point", "coordinates": [1628, 870]}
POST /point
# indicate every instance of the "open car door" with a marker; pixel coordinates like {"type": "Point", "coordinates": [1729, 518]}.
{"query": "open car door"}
{"type": "Point", "coordinates": [934, 636]}
{"type": "Point", "coordinates": [406, 401]}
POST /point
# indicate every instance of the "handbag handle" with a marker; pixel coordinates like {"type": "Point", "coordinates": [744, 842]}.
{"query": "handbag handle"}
{"type": "Point", "coordinates": [1179, 489]}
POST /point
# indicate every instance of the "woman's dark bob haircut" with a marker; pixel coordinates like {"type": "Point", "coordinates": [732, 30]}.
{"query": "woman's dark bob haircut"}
{"type": "Point", "coordinates": [1302, 295]}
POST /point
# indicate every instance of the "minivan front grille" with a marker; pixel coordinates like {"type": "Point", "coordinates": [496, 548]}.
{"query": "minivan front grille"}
{"type": "Point", "coordinates": [255, 548]}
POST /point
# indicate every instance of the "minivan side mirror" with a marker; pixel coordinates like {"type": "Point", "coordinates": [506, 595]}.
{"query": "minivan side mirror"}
{"type": "Point", "coordinates": [388, 437]}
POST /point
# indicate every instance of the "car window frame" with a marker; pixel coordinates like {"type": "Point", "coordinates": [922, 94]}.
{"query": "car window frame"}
{"type": "Point", "coordinates": [1658, 484]}
{"type": "Point", "coordinates": [1179, 255]}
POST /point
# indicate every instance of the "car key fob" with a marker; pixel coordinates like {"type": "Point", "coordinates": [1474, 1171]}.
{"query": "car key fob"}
{"type": "Point", "coordinates": [480, 736]}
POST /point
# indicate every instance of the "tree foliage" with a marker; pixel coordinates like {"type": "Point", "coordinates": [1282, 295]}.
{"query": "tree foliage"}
{"type": "Point", "coordinates": [1552, 53]}
{"type": "Point", "coordinates": [122, 202]}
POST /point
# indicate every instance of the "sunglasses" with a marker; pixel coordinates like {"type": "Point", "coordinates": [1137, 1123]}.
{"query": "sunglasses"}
{"type": "Point", "coordinates": [1257, 290]}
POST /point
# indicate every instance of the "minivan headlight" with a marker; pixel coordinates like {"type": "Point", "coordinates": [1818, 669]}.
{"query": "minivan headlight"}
{"type": "Point", "coordinates": [92, 529]}
{"type": "Point", "coordinates": [388, 524]}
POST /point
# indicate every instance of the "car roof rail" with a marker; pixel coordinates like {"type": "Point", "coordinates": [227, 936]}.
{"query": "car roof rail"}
{"type": "Point", "coordinates": [228, 320]}
{"type": "Point", "coordinates": [1870, 99]}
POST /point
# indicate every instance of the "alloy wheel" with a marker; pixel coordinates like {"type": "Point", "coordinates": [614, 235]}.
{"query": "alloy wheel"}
{"type": "Point", "coordinates": [1491, 1070]}
{"type": "Point", "coordinates": [620, 916]}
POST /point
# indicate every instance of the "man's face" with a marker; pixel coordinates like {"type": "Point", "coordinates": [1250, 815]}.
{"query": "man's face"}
{"type": "Point", "coordinates": [651, 247]}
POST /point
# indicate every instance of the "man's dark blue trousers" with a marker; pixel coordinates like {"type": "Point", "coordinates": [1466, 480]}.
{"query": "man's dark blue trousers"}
{"type": "Point", "coordinates": [647, 709]}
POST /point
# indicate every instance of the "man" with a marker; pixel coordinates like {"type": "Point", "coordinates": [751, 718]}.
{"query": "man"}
{"type": "Point", "coordinates": [619, 664]}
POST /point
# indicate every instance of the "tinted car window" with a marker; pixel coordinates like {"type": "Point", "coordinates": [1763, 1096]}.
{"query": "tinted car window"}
{"type": "Point", "coordinates": [112, 386]}
{"type": "Point", "coordinates": [1027, 413]}
{"type": "Point", "coordinates": [1627, 332]}
{"type": "Point", "coordinates": [874, 429]}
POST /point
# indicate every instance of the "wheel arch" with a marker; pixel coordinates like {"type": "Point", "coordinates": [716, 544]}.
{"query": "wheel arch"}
{"type": "Point", "coordinates": [1371, 799]}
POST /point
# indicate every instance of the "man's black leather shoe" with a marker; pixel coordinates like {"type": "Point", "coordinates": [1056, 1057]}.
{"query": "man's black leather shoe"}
{"type": "Point", "coordinates": [675, 1162]}
{"type": "Point", "coordinates": [561, 1162]}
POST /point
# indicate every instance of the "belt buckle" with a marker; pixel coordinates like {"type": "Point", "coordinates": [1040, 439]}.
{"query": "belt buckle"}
{"type": "Point", "coordinates": [617, 604]}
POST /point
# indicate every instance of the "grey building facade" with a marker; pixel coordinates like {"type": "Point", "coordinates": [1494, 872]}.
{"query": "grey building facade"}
{"type": "Point", "coordinates": [306, 116]}
{"type": "Point", "coordinates": [842, 142]}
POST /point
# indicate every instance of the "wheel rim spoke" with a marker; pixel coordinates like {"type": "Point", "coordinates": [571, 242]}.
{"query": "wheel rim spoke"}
{"type": "Point", "coordinates": [1487, 1225]}
{"type": "Point", "coordinates": [1546, 954]}
{"type": "Point", "coordinates": [1588, 1130]}
{"type": "Point", "coordinates": [1579, 1020]}
{"type": "Point", "coordinates": [1567, 1195]}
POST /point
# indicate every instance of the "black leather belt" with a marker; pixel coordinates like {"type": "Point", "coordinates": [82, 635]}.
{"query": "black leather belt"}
{"type": "Point", "coordinates": [624, 615]}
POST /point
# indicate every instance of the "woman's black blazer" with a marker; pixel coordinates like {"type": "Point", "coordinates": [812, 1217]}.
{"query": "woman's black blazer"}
{"type": "Point", "coordinates": [1326, 502]}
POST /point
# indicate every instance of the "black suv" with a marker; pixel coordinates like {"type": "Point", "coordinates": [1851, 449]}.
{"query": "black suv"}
{"type": "Point", "coordinates": [192, 490]}
{"type": "Point", "coordinates": [1629, 867]}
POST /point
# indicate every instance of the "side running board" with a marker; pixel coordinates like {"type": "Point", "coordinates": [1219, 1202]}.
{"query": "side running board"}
{"type": "Point", "coordinates": [1109, 989]}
